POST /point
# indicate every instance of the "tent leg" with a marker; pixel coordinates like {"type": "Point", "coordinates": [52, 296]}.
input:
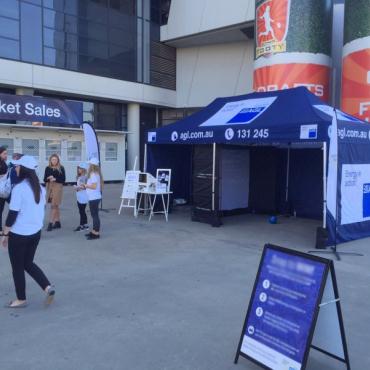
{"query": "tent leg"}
{"type": "Point", "coordinates": [145, 157]}
{"type": "Point", "coordinates": [287, 177]}
{"type": "Point", "coordinates": [213, 176]}
{"type": "Point", "coordinates": [324, 184]}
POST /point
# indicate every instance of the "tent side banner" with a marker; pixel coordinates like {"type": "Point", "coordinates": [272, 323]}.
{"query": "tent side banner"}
{"type": "Point", "coordinates": [353, 216]}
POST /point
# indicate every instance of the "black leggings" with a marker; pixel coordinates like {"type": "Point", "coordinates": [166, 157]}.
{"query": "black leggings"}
{"type": "Point", "coordinates": [2, 204]}
{"type": "Point", "coordinates": [94, 210]}
{"type": "Point", "coordinates": [82, 210]}
{"type": "Point", "coordinates": [22, 249]}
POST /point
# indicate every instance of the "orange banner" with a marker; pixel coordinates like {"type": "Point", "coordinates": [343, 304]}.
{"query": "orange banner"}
{"type": "Point", "coordinates": [356, 84]}
{"type": "Point", "coordinates": [285, 76]}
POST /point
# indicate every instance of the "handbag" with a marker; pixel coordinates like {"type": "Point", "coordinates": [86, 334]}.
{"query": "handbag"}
{"type": "Point", "coordinates": [5, 186]}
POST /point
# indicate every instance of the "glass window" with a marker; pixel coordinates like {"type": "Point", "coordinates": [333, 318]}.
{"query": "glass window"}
{"type": "Point", "coordinates": [60, 59]}
{"type": "Point", "coordinates": [108, 116]}
{"type": "Point", "coordinates": [54, 4]}
{"type": "Point", "coordinates": [53, 38]}
{"type": "Point", "coordinates": [71, 24]}
{"type": "Point", "coordinates": [93, 48]}
{"type": "Point", "coordinates": [54, 19]}
{"type": "Point", "coordinates": [124, 37]}
{"type": "Point", "coordinates": [30, 147]}
{"type": "Point", "coordinates": [96, 10]}
{"type": "Point", "coordinates": [122, 6]}
{"type": "Point", "coordinates": [52, 147]}
{"type": "Point", "coordinates": [31, 33]}
{"type": "Point", "coordinates": [74, 151]}
{"type": "Point", "coordinates": [9, 48]}
{"type": "Point", "coordinates": [9, 8]}
{"type": "Point", "coordinates": [88, 112]}
{"type": "Point", "coordinates": [155, 11]}
{"type": "Point", "coordinates": [36, 2]}
{"type": "Point", "coordinates": [92, 30]}
{"type": "Point", "coordinates": [9, 28]}
{"type": "Point", "coordinates": [60, 40]}
{"type": "Point", "coordinates": [124, 117]}
{"type": "Point", "coordinates": [71, 7]}
{"type": "Point", "coordinates": [9, 145]}
{"type": "Point", "coordinates": [111, 151]}
{"type": "Point", "coordinates": [121, 20]}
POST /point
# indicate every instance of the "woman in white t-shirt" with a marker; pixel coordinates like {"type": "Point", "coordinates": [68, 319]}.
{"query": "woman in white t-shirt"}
{"type": "Point", "coordinates": [81, 196]}
{"type": "Point", "coordinates": [23, 230]}
{"type": "Point", "coordinates": [93, 190]}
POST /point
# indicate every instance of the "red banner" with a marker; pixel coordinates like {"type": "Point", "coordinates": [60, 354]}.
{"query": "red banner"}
{"type": "Point", "coordinates": [356, 84]}
{"type": "Point", "coordinates": [285, 76]}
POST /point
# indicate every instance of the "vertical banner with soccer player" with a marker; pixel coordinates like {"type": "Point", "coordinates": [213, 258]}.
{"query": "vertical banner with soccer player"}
{"type": "Point", "coordinates": [356, 59]}
{"type": "Point", "coordinates": [293, 45]}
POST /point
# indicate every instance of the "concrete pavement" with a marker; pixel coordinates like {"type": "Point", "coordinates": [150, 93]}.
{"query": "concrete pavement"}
{"type": "Point", "coordinates": [157, 296]}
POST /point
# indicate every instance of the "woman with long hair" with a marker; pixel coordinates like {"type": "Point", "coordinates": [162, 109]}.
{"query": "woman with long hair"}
{"type": "Point", "coordinates": [54, 179]}
{"type": "Point", "coordinates": [22, 230]}
{"type": "Point", "coordinates": [81, 196]}
{"type": "Point", "coordinates": [93, 190]}
{"type": "Point", "coordinates": [3, 172]}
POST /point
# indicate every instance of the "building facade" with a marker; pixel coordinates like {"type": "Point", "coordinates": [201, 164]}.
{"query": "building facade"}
{"type": "Point", "coordinates": [135, 65]}
{"type": "Point", "coordinates": [104, 53]}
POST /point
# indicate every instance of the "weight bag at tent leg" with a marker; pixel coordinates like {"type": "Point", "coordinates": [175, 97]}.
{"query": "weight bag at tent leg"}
{"type": "Point", "coordinates": [321, 238]}
{"type": "Point", "coordinates": [206, 216]}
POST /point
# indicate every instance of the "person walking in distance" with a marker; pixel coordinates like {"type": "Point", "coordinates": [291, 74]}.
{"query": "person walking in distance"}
{"type": "Point", "coordinates": [22, 230]}
{"type": "Point", "coordinates": [3, 172]}
{"type": "Point", "coordinates": [54, 179]}
{"type": "Point", "coordinates": [93, 190]}
{"type": "Point", "coordinates": [81, 195]}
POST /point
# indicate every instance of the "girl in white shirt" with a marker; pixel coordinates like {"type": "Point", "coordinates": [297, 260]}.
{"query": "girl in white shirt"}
{"type": "Point", "coordinates": [81, 196]}
{"type": "Point", "coordinates": [93, 190]}
{"type": "Point", "coordinates": [23, 230]}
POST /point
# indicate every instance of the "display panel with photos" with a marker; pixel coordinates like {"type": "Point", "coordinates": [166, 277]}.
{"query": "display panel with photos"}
{"type": "Point", "coordinates": [163, 179]}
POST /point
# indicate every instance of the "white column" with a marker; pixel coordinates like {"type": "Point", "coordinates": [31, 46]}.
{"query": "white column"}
{"type": "Point", "coordinates": [133, 138]}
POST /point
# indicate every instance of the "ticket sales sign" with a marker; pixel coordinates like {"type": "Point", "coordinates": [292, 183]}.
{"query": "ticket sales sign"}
{"type": "Point", "coordinates": [31, 108]}
{"type": "Point", "coordinates": [280, 324]}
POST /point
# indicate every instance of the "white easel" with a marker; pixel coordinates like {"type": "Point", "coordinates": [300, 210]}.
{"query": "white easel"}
{"type": "Point", "coordinates": [130, 189]}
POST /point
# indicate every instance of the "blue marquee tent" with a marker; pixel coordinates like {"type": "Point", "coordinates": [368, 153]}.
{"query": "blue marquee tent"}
{"type": "Point", "coordinates": [291, 121]}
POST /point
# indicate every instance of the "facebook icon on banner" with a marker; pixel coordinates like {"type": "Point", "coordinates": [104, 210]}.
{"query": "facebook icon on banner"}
{"type": "Point", "coordinates": [366, 201]}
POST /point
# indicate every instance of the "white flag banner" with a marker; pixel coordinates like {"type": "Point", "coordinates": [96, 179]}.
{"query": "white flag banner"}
{"type": "Point", "coordinates": [91, 142]}
{"type": "Point", "coordinates": [332, 183]}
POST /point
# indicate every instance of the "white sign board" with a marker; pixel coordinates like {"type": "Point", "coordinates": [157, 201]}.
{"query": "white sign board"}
{"type": "Point", "coordinates": [131, 185]}
{"type": "Point", "coordinates": [163, 180]}
{"type": "Point", "coordinates": [355, 193]}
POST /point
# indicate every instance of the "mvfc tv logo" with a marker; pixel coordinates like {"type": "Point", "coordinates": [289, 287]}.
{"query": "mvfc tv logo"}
{"type": "Point", "coordinates": [272, 22]}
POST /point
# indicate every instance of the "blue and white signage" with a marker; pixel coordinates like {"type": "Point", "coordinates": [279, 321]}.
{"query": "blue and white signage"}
{"type": "Point", "coordinates": [355, 193]}
{"type": "Point", "coordinates": [239, 112]}
{"type": "Point", "coordinates": [283, 309]}
{"type": "Point", "coordinates": [32, 108]}
{"type": "Point", "coordinates": [152, 137]}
